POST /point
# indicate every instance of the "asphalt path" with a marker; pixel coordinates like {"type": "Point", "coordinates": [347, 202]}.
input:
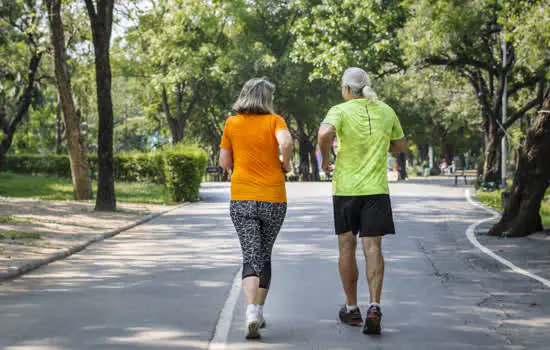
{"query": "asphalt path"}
{"type": "Point", "coordinates": [163, 285]}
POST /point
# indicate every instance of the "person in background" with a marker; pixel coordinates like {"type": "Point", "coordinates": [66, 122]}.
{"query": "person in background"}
{"type": "Point", "coordinates": [367, 130]}
{"type": "Point", "coordinates": [251, 144]}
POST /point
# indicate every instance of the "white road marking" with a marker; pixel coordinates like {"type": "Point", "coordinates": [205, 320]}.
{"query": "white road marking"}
{"type": "Point", "coordinates": [472, 237]}
{"type": "Point", "coordinates": [219, 341]}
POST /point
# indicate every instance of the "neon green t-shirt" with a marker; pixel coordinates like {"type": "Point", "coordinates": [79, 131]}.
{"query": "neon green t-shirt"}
{"type": "Point", "coordinates": [365, 130]}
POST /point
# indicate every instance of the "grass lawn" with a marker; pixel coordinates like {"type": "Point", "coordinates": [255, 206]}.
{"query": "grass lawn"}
{"type": "Point", "coordinates": [18, 235]}
{"type": "Point", "coordinates": [493, 199]}
{"type": "Point", "coordinates": [12, 220]}
{"type": "Point", "coordinates": [53, 188]}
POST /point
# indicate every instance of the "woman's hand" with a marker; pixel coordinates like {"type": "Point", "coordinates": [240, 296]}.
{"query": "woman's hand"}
{"type": "Point", "coordinates": [286, 166]}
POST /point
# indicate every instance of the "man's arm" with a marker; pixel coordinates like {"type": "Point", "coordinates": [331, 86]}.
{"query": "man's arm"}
{"type": "Point", "coordinates": [226, 158]}
{"type": "Point", "coordinates": [326, 135]}
{"type": "Point", "coordinates": [398, 146]}
{"type": "Point", "coordinates": [285, 143]}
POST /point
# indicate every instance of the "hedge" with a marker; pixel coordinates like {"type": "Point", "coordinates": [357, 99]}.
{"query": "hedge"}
{"type": "Point", "coordinates": [184, 170]}
{"type": "Point", "coordinates": [180, 169]}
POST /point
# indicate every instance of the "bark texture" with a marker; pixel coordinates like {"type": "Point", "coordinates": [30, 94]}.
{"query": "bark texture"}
{"type": "Point", "coordinates": [101, 18]}
{"type": "Point", "coordinates": [402, 166]}
{"type": "Point", "coordinates": [78, 152]}
{"type": "Point", "coordinates": [521, 215]}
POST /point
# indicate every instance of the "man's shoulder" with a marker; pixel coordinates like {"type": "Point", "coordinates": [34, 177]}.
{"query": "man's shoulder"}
{"type": "Point", "coordinates": [384, 107]}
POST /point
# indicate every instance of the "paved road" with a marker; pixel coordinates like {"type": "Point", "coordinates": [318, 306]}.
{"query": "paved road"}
{"type": "Point", "coordinates": [163, 285]}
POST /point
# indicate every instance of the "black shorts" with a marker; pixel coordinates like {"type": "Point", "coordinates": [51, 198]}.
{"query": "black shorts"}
{"type": "Point", "coordinates": [368, 216]}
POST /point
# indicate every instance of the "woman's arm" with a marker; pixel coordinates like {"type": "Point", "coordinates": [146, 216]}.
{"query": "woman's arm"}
{"type": "Point", "coordinates": [226, 158]}
{"type": "Point", "coordinates": [285, 143]}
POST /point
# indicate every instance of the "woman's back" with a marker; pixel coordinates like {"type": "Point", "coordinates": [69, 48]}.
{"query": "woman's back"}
{"type": "Point", "coordinates": [257, 171]}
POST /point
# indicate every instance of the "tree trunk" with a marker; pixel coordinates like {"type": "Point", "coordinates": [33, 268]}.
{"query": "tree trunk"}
{"type": "Point", "coordinates": [401, 165]}
{"type": "Point", "coordinates": [521, 216]}
{"type": "Point", "coordinates": [315, 176]}
{"type": "Point", "coordinates": [182, 116]}
{"type": "Point", "coordinates": [101, 19]}
{"type": "Point", "coordinates": [172, 123]}
{"type": "Point", "coordinates": [78, 153]}
{"type": "Point", "coordinates": [304, 159]}
{"type": "Point", "coordinates": [9, 128]}
{"type": "Point", "coordinates": [491, 166]}
{"type": "Point", "coordinates": [58, 135]}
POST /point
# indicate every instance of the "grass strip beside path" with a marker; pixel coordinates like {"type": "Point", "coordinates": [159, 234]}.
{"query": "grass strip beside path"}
{"type": "Point", "coordinates": [494, 200]}
{"type": "Point", "coordinates": [53, 188]}
{"type": "Point", "coordinates": [18, 235]}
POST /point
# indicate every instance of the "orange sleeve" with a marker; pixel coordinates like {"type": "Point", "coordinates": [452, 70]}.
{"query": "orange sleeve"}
{"type": "Point", "coordinates": [226, 137]}
{"type": "Point", "coordinates": [280, 123]}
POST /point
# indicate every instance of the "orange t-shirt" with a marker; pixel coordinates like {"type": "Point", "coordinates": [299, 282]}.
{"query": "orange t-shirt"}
{"type": "Point", "coordinates": [257, 172]}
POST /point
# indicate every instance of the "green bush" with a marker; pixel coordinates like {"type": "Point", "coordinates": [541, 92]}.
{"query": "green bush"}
{"type": "Point", "coordinates": [128, 167]}
{"type": "Point", "coordinates": [184, 169]}
{"type": "Point", "coordinates": [37, 164]}
{"type": "Point", "coordinates": [181, 169]}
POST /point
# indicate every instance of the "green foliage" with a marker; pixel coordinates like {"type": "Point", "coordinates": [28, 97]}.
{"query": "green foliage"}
{"type": "Point", "coordinates": [435, 108]}
{"type": "Point", "coordinates": [130, 167]}
{"type": "Point", "coordinates": [54, 188]}
{"type": "Point", "coordinates": [494, 200]}
{"type": "Point", "coordinates": [185, 167]}
{"type": "Point", "coordinates": [18, 235]}
{"type": "Point", "coordinates": [181, 169]}
{"type": "Point", "coordinates": [336, 34]}
{"type": "Point", "coordinates": [13, 220]}
{"type": "Point", "coordinates": [36, 164]}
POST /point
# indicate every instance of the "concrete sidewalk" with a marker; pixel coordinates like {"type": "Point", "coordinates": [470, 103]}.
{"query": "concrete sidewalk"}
{"type": "Point", "coordinates": [60, 229]}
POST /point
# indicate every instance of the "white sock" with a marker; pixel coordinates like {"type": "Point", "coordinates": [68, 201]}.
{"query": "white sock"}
{"type": "Point", "coordinates": [350, 307]}
{"type": "Point", "coordinates": [252, 309]}
{"type": "Point", "coordinates": [260, 309]}
{"type": "Point", "coordinates": [375, 304]}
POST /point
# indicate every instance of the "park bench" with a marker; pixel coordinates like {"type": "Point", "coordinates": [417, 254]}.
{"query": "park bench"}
{"type": "Point", "coordinates": [464, 173]}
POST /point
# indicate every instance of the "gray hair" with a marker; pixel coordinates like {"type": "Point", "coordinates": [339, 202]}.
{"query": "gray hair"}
{"type": "Point", "coordinates": [359, 82]}
{"type": "Point", "coordinates": [256, 97]}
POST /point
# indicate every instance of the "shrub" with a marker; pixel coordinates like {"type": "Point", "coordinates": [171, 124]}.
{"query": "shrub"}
{"type": "Point", "coordinates": [184, 168]}
{"type": "Point", "coordinates": [128, 167]}
{"type": "Point", "coordinates": [37, 164]}
{"type": "Point", "coordinates": [181, 169]}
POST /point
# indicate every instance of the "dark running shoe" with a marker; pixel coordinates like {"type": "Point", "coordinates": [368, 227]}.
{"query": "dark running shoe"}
{"type": "Point", "coordinates": [352, 318]}
{"type": "Point", "coordinates": [373, 321]}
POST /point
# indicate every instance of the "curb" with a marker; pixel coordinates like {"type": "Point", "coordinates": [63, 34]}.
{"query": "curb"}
{"type": "Point", "coordinates": [17, 271]}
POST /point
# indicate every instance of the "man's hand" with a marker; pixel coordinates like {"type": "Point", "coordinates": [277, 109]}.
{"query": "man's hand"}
{"type": "Point", "coordinates": [325, 137]}
{"type": "Point", "coordinates": [327, 167]}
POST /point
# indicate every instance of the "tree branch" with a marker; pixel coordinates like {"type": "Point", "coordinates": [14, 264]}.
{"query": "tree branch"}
{"type": "Point", "coordinates": [460, 62]}
{"type": "Point", "coordinates": [533, 103]}
{"type": "Point", "coordinates": [529, 82]}
{"type": "Point", "coordinates": [91, 10]}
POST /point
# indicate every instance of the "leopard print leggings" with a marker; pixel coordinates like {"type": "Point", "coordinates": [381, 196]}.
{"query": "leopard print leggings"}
{"type": "Point", "coordinates": [257, 225]}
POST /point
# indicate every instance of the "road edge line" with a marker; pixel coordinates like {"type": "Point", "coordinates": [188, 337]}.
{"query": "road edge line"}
{"type": "Point", "coordinates": [470, 234]}
{"type": "Point", "coordinates": [14, 272]}
{"type": "Point", "coordinates": [223, 326]}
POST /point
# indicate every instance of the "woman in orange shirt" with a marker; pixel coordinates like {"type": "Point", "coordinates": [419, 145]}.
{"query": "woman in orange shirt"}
{"type": "Point", "coordinates": [250, 144]}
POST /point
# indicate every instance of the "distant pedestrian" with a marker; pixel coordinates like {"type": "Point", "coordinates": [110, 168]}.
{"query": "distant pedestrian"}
{"type": "Point", "coordinates": [250, 144]}
{"type": "Point", "coordinates": [443, 167]}
{"type": "Point", "coordinates": [367, 129]}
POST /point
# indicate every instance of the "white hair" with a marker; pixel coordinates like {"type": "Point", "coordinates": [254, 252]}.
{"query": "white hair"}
{"type": "Point", "coordinates": [256, 97]}
{"type": "Point", "coordinates": [359, 83]}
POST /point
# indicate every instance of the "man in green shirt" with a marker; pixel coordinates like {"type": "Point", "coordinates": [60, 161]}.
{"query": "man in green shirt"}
{"type": "Point", "coordinates": [367, 129]}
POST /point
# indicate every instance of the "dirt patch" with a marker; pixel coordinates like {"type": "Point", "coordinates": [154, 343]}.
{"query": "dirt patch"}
{"type": "Point", "coordinates": [59, 224]}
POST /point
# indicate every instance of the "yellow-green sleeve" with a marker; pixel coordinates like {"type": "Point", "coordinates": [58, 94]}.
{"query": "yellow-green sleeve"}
{"type": "Point", "coordinates": [334, 118]}
{"type": "Point", "coordinates": [397, 130]}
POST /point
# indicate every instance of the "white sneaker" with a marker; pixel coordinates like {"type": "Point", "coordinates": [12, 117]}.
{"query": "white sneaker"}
{"type": "Point", "coordinates": [253, 325]}
{"type": "Point", "coordinates": [261, 319]}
